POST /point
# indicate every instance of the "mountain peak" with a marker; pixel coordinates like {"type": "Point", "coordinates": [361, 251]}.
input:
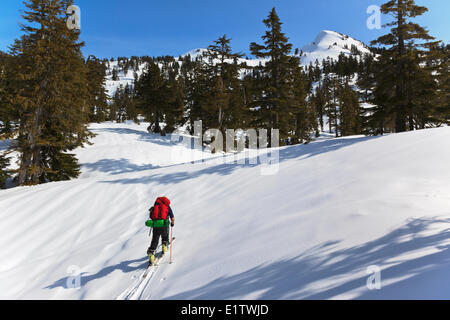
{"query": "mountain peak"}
{"type": "Point", "coordinates": [331, 44]}
{"type": "Point", "coordinates": [194, 53]}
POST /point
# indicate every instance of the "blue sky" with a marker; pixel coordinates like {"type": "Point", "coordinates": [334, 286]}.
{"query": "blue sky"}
{"type": "Point", "coordinates": [114, 28]}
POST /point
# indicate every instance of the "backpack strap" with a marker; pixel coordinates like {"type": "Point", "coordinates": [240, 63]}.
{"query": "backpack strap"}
{"type": "Point", "coordinates": [159, 211]}
{"type": "Point", "coordinates": [151, 212]}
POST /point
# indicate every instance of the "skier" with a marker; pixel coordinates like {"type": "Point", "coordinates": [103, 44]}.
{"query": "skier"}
{"type": "Point", "coordinates": [160, 214]}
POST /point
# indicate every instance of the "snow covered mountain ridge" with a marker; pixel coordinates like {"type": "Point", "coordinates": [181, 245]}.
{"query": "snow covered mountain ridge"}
{"type": "Point", "coordinates": [327, 44]}
{"type": "Point", "coordinates": [330, 44]}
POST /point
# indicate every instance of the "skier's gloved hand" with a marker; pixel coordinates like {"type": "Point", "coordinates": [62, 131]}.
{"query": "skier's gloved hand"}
{"type": "Point", "coordinates": [172, 224]}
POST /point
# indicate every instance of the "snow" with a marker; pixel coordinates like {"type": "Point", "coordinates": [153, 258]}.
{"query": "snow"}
{"type": "Point", "coordinates": [330, 44]}
{"type": "Point", "coordinates": [310, 231]}
{"type": "Point", "coordinates": [124, 79]}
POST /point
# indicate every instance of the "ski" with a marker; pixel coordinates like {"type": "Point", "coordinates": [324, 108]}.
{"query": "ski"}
{"type": "Point", "coordinates": [136, 290]}
{"type": "Point", "coordinates": [156, 263]}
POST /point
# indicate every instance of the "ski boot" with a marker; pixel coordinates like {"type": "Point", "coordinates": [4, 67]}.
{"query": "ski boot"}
{"type": "Point", "coordinates": [151, 257]}
{"type": "Point", "coordinates": [165, 248]}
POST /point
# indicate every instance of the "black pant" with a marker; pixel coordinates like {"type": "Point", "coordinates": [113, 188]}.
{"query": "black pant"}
{"type": "Point", "coordinates": [159, 232]}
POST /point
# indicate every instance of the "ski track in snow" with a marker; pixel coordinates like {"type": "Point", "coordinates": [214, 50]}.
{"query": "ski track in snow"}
{"type": "Point", "coordinates": [135, 291]}
{"type": "Point", "coordinates": [344, 204]}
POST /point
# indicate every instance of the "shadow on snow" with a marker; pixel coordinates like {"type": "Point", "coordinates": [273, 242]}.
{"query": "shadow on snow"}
{"type": "Point", "coordinates": [125, 267]}
{"type": "Point", "coordinates": [142, 135]}
{"type": "Point", "coordinates": [424, 277]}
{"type": "Point", "coordinates": [115, 167]}
{"type": "Point", "coordinates": [427, 277]}
{"type": "Point", "coordinates": [299, 152]}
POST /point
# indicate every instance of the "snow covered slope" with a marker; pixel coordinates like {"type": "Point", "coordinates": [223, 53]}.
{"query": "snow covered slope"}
{"type": "Point", "coordinates": [124, 79]}
{"type": "Point", "coordinates": [335, 208]}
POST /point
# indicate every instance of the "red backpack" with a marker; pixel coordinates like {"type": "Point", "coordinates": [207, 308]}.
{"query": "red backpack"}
{"type": "Point", "coordinates": [160, 209]}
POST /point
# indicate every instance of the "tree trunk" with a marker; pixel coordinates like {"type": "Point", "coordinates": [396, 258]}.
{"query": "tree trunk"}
{"type": "Point", "coordinates": [157, 128]}
{"type": "Point", "coordinates": [400, 118]}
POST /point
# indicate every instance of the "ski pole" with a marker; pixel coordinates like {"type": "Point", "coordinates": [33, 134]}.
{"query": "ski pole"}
{"type": "Point", "coordinates": [171, 244]}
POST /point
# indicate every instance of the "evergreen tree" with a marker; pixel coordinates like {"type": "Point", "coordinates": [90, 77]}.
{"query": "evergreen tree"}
{"type": "Point", "coordinates": [223, 71]}
{"type": "Point", "coordinates": [118, 105]}
{"type": "Point", "coordinates": [434, 87]}
{"type": "Point", "coordinates": [6, 118]}
{"type": "Point", "coordinates": [112, 114]}
{"type": "Point", "coordinates": [195, 86]}
{"type": "Point", "coordinates": [306, 115]}
{"type": "Point", "coordinates": [319, 102]}
{"type": "Point", "coordinates": [278, 106]}
{"type": "Point", "coordinates": [382, 118]}
{"type": "Point", "coordinates": [98, 101]}
{"type": "Point", "coordinates": [174, 112]}
{"type": "Point", "coordinates": [129, 101]}
{"type": "Point", "coordinates": [444, 84]}
{"type": "Point", "coordinates": [331, 88]}
{"type": "Point", "coordinates": [366, 77]}
{"type": "Point", "coordinates": [49, 94]}
{"type": "Point", "coordinates": [149, 94]}
{"type": "Point", "coordinates": [153, 96]}
{"type": "Point", "coordinates": [7, 112]}
{"type": "Point", "coordinates": [115, 75]}
{"type": "Point", "coordinates": [317, 71]}
{"type": "Point", "coordinates": [401, 43]}
{"type": "Point", "coordinates": [349, 112]}
{"type": "Point", "coordinates": [4, 171]}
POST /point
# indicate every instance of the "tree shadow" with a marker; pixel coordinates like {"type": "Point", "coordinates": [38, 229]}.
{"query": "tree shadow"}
{"type": "Point", "coordinates": [299, 152]}
{"type": "Point", "coordinates": [142, 135]}
{"type": "Point", "coordinates": [115, 167]}
{"type": "Point", "coordinates": [303, 277]}
{"type": "Point", "coordinates": [4, 145]}
{"type": "Point", "coordinates": [120, 166]}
